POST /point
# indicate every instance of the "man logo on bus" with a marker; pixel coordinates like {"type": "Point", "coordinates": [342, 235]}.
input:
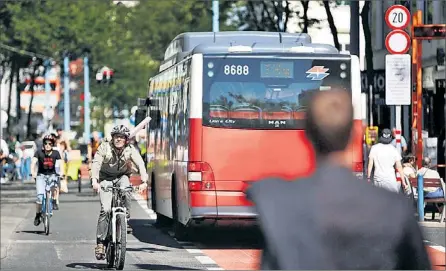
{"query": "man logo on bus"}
{"type": "Point", "coordinates": [276, 123]}
{"type": "Point", "coordinates": [317, 73]}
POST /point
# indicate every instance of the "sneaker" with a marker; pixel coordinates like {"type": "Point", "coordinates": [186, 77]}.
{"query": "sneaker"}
{"type": "Point", "coordinates": [99, 252]}
{"type": "Point", "coordinates": [37, 219]}
{"type": "Point", "coordinates": [129, 229]}
{"type": "Point", "coordinates": [55, 205]}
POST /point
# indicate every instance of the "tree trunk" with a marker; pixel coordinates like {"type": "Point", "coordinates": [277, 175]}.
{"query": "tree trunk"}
{"type": "Point", "coordinates": [28, 124]}
{"type": "Point", "coordinates": [305, 4]}
{"type": "Point", "coordinates": [368, 50]}
{"type": "Point", "coordinates": [11, 80]}
{"type": "Point", "coordinates": [334, 30]}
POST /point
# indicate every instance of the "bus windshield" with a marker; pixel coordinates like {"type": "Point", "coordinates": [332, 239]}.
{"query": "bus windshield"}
{"type": "Point", "coordinates": [266, 92]}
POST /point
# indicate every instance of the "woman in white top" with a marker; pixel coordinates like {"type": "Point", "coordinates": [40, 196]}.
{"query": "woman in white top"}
{"type": "Point", "coordinates": [383, 158]}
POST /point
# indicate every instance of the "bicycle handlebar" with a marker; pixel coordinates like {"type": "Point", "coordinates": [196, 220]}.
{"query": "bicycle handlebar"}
{"type": "Point", "coordinates": [127, 189]}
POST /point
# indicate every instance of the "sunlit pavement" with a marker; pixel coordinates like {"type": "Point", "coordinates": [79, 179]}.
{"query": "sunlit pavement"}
{"type": "Point", "coordinates": [70, 245]}
{"type": "Point", "coordinates": [237, 249]}
{"type": "Point", "coordinates": [71, 242]}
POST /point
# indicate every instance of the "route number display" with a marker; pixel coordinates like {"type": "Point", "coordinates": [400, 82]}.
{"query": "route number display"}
{"type": "Point", "coordinates": [236, 69]}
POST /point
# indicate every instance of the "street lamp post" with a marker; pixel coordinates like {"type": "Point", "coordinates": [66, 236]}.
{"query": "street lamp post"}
{"type": "Point", "coordinates": [215, 16]}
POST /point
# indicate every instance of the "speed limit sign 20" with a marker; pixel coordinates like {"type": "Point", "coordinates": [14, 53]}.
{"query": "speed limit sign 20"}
{"type": "Point", "coordinates": [397, 17]}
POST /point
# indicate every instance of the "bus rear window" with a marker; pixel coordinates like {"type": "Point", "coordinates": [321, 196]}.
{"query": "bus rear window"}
{"type": "Point", "coordinates": [266, 93]}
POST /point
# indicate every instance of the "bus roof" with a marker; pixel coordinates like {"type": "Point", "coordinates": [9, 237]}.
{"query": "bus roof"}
{"type": "Point", "coordinates": [228, 42]}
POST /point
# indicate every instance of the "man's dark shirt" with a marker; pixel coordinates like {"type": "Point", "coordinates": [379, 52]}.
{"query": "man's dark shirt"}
{"type": "Point", "coordinates": [47, 163]}
{"type": "Point", "coordinates": [332, 220]}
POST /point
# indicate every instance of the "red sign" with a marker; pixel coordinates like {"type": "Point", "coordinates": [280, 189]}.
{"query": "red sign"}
{"type": "Point", "coordinates": [398, 42]}
{"type": "Point", "coordinates": [397, 17]}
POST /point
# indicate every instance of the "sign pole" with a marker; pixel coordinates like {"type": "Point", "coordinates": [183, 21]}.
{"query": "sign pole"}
{"type": "Point", "coordinates": [398, 64]}
{"type": "Point", "coordinates": [419, 95]}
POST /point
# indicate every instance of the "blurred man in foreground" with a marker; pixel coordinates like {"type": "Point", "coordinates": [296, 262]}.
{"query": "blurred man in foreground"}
{"type": "Point", "coordinates": [332, 220]}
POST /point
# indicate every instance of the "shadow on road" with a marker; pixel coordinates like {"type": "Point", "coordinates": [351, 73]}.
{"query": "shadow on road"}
{"type": "Point", "coordinates": [98, 266]}
{"type": "Point", "coordinates": [229, 238]}
{"type": "Point", "coordinates": [161, 267]}
{"type": "Point", "coordinates": [32, 232]}
{"type": "Point", "coordinates": [147, 249]}
{"type": "Point", "coordinates": [145, 232]}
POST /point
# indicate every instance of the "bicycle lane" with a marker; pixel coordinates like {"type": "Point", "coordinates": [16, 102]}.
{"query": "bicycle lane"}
{"type": "Point", "coordinates": [71, 242]}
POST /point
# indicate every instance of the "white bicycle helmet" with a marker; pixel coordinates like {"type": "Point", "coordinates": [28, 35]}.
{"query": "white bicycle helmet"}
{"type": "Point", "coordinates": [120, 130]}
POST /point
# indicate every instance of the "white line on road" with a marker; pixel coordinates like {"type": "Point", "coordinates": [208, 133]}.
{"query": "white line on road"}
{"type": "Point", "coordinates": [188, 246]}
{"type": "Point", "coordinates": [205, 260]}
{"type": "Point", "coordinates": [68, 242]}
{"type": "Point", "coordinates": [439, 248]}
{"type": "Point", "coordinates": [143, 203]}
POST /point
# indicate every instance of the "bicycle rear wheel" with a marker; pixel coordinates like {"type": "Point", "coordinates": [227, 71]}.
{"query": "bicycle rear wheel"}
{"type": "Point", "coordinates": [121, 241]}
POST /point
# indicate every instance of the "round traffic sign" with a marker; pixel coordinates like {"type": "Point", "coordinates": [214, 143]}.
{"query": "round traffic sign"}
{"type": "Point", "coordinates": [398, 42]}
{"type": "Point", "coordinates": [397, 17]}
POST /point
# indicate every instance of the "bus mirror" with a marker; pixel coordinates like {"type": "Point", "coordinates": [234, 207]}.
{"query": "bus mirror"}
{"type": "Point", "coordinates": [153, 102]}
{"type": "Point", "coordinates": [156, 119]}
{"type": "Point", "coordinates": [142, 101]}
{"type": "Point", "coordinates": [140, 115]}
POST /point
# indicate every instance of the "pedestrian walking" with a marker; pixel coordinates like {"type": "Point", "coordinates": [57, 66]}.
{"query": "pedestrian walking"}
{"type": "Point", "coordinates": [331, 220]}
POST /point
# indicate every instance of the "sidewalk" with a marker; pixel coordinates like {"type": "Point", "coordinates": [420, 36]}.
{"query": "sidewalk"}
{"type": "Point", "coordinates": [11, 217]}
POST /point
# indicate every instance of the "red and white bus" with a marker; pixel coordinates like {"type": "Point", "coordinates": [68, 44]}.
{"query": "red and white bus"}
{"type": "Point", "coordinates": [228, 109]}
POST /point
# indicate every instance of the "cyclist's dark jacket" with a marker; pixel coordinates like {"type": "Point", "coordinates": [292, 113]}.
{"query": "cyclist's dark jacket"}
{"type": "Point", "coordinates": [47, 163]}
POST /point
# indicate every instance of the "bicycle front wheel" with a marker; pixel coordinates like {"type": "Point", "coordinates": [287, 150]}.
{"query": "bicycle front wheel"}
{"type": "Point", "coordinates": [121, 241]}
{"type": "Point", "coordinates": [46, 215]}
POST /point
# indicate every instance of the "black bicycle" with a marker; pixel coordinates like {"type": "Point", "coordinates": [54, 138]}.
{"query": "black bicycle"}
{"type": "Point", "coordinates": [116, 241]}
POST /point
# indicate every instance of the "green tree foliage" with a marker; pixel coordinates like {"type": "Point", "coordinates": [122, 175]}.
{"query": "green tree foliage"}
{"type": "Point", "coordinates": [131, 40]}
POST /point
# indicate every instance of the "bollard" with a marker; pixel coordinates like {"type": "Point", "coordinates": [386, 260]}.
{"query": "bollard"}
{"type": "Point", "coordinates": [420, 198]}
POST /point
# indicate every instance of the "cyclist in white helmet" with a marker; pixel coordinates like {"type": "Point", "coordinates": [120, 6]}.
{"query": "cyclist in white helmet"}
{"type": "Point", "coordinates": [113, 163]}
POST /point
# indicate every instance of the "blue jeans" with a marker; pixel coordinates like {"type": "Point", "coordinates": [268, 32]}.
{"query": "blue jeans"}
{"type": "Point", "coordinates": [26, 168]}
{"type": "Point", "coordinates": [41, 185]}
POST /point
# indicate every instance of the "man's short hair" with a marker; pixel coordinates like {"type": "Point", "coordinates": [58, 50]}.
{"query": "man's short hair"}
{"type": "Point", "coordinates": [329, 120]}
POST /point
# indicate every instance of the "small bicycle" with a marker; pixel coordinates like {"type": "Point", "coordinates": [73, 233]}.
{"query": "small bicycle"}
{"type": "Point", "coordinates": [116, 241]}
{"type": "Point", "coordinates": [47, 203]}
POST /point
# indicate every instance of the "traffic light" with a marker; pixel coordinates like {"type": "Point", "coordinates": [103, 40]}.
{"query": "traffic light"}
{"type": "Point", "coordinates": [105, 75]}
{"type": "Point", "coordinates": [433, 31]}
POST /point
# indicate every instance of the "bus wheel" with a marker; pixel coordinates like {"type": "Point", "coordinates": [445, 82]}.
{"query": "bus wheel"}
{"type": "Point", "coordinates": [181, 233]}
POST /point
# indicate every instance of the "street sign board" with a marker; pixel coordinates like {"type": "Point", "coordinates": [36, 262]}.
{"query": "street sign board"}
{"type": "Point", "coordinates": [398, 42]}
{"type": "Point", "coordinates": [397, 17]}
{"type": "Point", "coordinates": [429, 31]}
{"type": "Point", "coordinates": [398, 79]}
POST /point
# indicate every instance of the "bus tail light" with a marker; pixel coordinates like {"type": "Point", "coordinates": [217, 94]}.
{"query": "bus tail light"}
{"type": "Point", "coordinates": [358, 169]}
{"type": "Point", "coordinates": [200, 176]}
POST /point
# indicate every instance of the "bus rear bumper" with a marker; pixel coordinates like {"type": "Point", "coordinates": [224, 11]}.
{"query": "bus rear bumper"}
{"type": "Point", "coordinates": [223, 215]}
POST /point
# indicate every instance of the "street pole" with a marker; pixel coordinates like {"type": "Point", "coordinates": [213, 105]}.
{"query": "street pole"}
{"type": "Point", "coordinates": [86, 101]}
{"type": "Point", "coordinates": [66, 95]}
{"type": "Point", "coordinates": [354, 28]}
{"type": "Point", "coordinates": [215, 16]}
{"type": "Point", "coordinates": [47, 91]}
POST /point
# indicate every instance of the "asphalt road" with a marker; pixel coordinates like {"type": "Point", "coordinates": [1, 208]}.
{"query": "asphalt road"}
{"type": "Point", "coordinates": [71, 243]}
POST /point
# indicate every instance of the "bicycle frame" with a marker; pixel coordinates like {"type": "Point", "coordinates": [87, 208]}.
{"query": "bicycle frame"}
{"type": "Point", "coordinates": [50, 182]}
{"type": "Point", "coordinates": [116, 210]}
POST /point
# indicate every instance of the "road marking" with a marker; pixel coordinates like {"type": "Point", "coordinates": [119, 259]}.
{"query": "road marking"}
{"type": "Point", "coordinates": [194, 250]}
{"type": "Point", "coordinates": [439, 248]}
{"type": "Point", "coordinates": [205, 260]}
{"type": "Point", "coordinates": [68, 242]}
{"type": "Point", "coordinates": [143, 203]}
{"type": "Point", "coordinates": [188, 246]}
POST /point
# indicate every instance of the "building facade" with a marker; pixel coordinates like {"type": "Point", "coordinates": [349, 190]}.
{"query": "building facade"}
{"type": "Point", "coordinates": [434, 12]}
